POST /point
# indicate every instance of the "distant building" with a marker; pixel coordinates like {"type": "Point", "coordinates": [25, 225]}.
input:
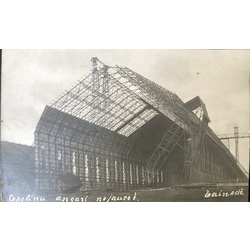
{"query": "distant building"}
{"type": "Point", "coordinates": [18, 172]}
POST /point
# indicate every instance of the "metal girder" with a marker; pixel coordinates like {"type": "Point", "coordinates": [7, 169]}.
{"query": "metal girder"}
{"type": "Point", "coordinates": [163, 151]}
{"type": "Point", "coordinates": [194, 147]}
{"type": "Point", "coordinates": [197, 103]}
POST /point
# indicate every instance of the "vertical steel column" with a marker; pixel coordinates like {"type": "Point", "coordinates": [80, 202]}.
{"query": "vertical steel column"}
{"type": "Point", "coordinates": [236, 135]}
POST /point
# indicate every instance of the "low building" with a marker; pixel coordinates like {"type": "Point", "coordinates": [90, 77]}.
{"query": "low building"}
{"type": "Point", "coordinates": [18, 168]}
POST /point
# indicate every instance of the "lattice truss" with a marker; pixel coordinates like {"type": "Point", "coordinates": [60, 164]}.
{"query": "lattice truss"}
{"type": "Point", "coordinates": [120, 100]}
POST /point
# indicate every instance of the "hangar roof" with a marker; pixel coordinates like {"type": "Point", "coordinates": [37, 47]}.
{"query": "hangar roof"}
{"type": "Point", "coordinates": [121, 100]}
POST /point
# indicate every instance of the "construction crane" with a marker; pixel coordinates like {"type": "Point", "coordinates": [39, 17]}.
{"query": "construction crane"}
{"type": "Point", "coordinates": [236, 136]}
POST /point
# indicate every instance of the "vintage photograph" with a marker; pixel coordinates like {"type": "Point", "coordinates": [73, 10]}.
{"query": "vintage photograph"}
{"type": "Point", "coordinates": [125, 125]}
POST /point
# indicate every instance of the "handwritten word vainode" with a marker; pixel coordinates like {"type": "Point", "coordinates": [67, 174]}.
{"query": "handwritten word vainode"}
{"type": "Point", "coordinates": [221, 193]}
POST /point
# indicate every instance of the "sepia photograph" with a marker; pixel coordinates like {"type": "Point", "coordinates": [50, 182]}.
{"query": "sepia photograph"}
{"type": "Point", "coordinates": [135, 115]}
{"type": "Point", "coordinates": [125, 125]}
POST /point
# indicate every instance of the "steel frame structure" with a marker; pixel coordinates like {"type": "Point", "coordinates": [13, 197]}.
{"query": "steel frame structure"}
{"type": "Point", "coordinates": [88, 132]}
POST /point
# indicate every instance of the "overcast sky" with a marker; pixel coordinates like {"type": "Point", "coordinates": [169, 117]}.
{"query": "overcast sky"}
{"type": "Point", "coordinates": [32, 79]}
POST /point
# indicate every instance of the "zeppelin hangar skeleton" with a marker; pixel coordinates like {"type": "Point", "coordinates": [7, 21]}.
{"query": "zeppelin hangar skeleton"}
{"type": "Point", "coordinates": [117, 130]}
